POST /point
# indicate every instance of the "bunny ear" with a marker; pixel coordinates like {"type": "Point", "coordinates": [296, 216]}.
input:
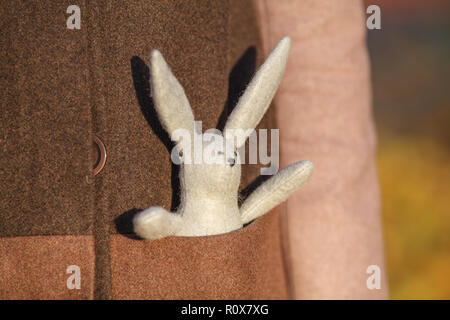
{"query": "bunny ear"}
{"type": "Point", "coordinates": [256, 99]}
{"type": "Point", "coordinates": [171, 103]}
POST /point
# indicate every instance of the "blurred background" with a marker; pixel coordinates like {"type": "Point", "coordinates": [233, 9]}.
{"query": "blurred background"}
{"type": "Point", "coordinates": [411, 75]}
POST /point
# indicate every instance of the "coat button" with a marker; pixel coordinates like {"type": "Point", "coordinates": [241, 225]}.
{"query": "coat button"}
{"type": "Point", "coordinates": [98, 154]}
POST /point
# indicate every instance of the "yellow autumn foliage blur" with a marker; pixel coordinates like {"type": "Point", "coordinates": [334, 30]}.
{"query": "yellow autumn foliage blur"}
{"type": "Point", "coordinates": [410, 73]}
{"type": "Point", "coordinates": [414, 176]}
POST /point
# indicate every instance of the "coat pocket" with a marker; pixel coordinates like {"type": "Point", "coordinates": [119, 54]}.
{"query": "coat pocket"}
{"type": "Point", "coordinates": [47, 267]}
{"type": "Point", "coordinates": [244, 264]}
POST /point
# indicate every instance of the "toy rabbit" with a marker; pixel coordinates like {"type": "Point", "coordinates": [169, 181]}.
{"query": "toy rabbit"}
{"type": "Point", "coordinates": [209, 191]}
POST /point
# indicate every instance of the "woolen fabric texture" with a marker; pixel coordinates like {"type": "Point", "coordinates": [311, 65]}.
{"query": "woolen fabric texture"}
{"type": "Point", "coordinates": [331, 227]}
{"type": "Point", "coordinates": [61, 87]}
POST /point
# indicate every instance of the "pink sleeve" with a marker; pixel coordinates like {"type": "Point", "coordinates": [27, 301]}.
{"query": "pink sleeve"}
{"type": "Point", "coordinates": [331, 226]}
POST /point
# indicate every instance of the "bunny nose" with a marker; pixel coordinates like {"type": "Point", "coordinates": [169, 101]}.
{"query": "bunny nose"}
{"type": "Point", "coordinates": [231, 161]}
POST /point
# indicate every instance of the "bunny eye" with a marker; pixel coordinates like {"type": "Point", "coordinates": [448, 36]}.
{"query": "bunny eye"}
{"type": "Point", "coordinates": [232, 161]}
{"type": "Point", "coordinates": [219, 152]}
{"type": "Point", "coordinates": [180, 153]}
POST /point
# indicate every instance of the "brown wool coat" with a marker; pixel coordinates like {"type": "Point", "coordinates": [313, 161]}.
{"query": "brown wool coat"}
{"type": "Point", "coordinates": [61, 87]}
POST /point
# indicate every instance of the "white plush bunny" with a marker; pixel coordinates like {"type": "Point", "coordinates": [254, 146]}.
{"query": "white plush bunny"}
{"type": "Point", "coordinates": [209, 191]}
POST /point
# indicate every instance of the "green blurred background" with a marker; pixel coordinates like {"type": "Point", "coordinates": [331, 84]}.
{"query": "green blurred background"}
{"type": "Point", "coordinates": [411, 73]}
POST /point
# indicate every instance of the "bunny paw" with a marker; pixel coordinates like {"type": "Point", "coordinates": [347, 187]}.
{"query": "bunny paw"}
{"type": "Point", "coordinates": [156, 223]}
